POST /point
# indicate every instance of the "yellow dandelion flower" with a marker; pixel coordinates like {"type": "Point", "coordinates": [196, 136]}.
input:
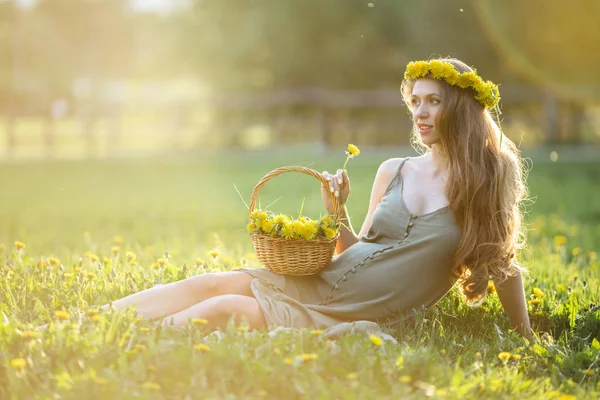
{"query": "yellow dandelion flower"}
{"type": "Point", "coordinates": [28, 335]}
{"type": "Point", "coordinates": [308, 356]}
{"type": "Point", "coordinates": [516, 357]}
{"type": "Point", "coordinates": [376, 340]}
{"type": "Point", "coordinates": [131, 256]}
{"type": "Point", "coordinates": [329, 233]}
{"type": "Point", "coordinates": [316, 332]}
{"type": "Point", "coordinates": [567, 397]}
{"type": "Point", "coordinates": [351, 376]}
{"type": "Point", "coordinates": [254, 214]}
{"type": "Point", "coordinates": [535, 302]}
{"type": "Point", "coordinates": [199, 321]}
{"type": "Point", "coordinates": [592, 256]}
{"type": "Point", "coordinates": [537, 292]}
{"type": "Point", "coordinates": [251, 227]}
{"type": "Point", "coordinates": [18, 363]}
{"type": "Point", "coordinates": [90, 275]}
{"type": "Point", "coordinates": [405, 379]}
{"type": "Point", "coordinates": [267, 225]}
{"type": "Point", "coordinates": [155, 265]}
{"type": "Point", "coordinates": [560, 240]}
{"type": "Point", "coordinates": [288, 361]}
{"type": "Point", "coordinates": [504, 356]}
{"type": "Point", "coordinates": [42, 265]}
{"type": "Point", "coordinates": [353, 150]}
{"type": "Point", "coordinates": [199, 261]}
{"type": "Point", "coordinates": [94, 258]}
{"type": "Point", "coordinates": [115, 250]}
{"type": "Point", "coordinates": [151, 386]}
{"type": "Point", "coordinates": [287, 231]}
{"type": "Point", "coordinates": [576, 251]}
{"type": "Point", "coordinates": [467, 79]}
{"type": "Point", "coordinates": [92, 313]}
{"type": "Point", "coordinates": [214, 253]}
{"type": "Point", "coordinates": [280, 219]}
{"type": "Point", "coordinates": [61, 315]}
{"type": "Point", "coordinates": [68, 275]}
{"type": "Point", "coordinates": [19, 245]}
{"type": "Point", "coordinates": [326, 220]}
{"type": "Point", "coordinates": [54, 261]}
{"type": "Point", "coordinates": [101, 381]}
{"type": "Point", "coordinates": [202, 347]}
{"type": "Point", "coordinates": [243, 328]}
{"type": "Point", "coordinates": [161, 261]}
{"type": "Point", "coordinates": [96, 318]}
{"type": "Point", "coordinates": [416, 69]}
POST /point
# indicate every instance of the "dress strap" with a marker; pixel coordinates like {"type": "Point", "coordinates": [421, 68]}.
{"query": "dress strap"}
{"type": "Point", "coordinates": [398, 175]}
{"type": "Point", "coordinates": [397, 178]}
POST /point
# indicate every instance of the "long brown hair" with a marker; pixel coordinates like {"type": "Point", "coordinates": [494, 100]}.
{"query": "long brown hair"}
{"type": "Point", "coordinates": [485, 187]}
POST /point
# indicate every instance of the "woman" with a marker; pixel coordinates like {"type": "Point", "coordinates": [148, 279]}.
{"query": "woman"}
{"type": "Point", "coordinates": [450, 216]}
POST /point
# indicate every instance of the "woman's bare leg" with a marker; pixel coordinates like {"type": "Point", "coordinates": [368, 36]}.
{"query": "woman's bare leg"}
{"type": "Point", "coordinates": [218, 311]}
{"type": "Point", "coordinates": [169, 299]}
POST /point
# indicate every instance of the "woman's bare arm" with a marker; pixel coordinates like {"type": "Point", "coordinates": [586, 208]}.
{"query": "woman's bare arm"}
{"type": "Point", "coordinates": [512, 297]}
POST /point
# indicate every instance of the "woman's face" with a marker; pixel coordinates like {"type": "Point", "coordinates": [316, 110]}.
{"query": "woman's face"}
{"type": "Point", "coordinates": [425, 102]}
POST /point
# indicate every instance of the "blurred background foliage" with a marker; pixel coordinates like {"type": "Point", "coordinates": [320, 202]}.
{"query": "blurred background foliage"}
{"type": "Point", "coordinates": [188, 70]}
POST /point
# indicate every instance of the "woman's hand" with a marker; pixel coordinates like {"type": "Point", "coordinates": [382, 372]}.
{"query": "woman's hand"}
{"type": "Point", "coordinates": [339, 185]}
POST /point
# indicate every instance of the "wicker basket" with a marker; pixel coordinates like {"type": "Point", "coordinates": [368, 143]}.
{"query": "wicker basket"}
{"type": "Point", "coordinates": [293, 256]}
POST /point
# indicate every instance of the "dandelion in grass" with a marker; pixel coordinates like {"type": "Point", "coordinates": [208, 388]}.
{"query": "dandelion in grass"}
{"type": "Point", "coordinates": [19, 245]}
{"type": "Point", "coordinates": [131, 257]}
{"type": "Point", "coordinates": [27, 335]}
{"type": "Point", "coordinates": [42, 265]}
{"type": "Point", "coordinates": [200, 262]}
{"type": "Point", "coordinates": [405, 379]}
{"type": "Point", "coordinates": [537, 292]}
{"type": "Point", "coordinates": [288, 361]}
{"type": "Point", "coordinates": [161, 261]}
{"type": "Point", "coordinates": [516, 357]}
{"type": "Point", "coordinates": [535, 302]}
{"type": "Point", "coordinates": [18, 363]}
{"type": "Point", "coordinates": [97, 319]}
{"type": "Point", "coordinates": [376, 340]}
{"type": "Point", "coordinates": [199, 321]}
{"type": "Point", "coordinates": [68, 275]}
{"type": "Point", "coordinates": [214, 254]}
{"type": "Point", "coordinates": [504, 356]}
{"type": "Point", "coordinates": [91, 276]}
{"type": "Point", "coordinates": [576, 251]}
{"type": "Point", "coordinates": [92, 313]}
{"type": "Point", "coordinates": [308, 357]}
{"type": "Point", "coordinates": [151, 386]}
{"type": "Point", "coordinates": [202, 348]}
{"type": "Point", "coordinates": [316, 332]}
{"type": "Point", "coordinates": [61, 315]}
{"type": "Point", "coordinates": [243, 328]}
{"type": "Point", "coordinates": [115, 250]}
{"type": "Point", "coordinates": [560, 240]}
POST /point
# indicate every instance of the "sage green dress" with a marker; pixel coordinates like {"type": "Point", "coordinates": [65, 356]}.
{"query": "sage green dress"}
{"type": "Point", "coordinates": [400, 266]}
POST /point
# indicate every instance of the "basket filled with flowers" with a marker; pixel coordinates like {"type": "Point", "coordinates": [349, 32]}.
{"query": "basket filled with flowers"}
{"type": "Point", "coordinates": [294, 246]}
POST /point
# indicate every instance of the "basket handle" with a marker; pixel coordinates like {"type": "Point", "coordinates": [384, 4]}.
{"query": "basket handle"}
{"type": "Point", "coordinates": [281, 170]}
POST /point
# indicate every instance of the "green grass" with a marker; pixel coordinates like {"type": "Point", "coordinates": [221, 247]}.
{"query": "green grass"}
{"type": "Point", "coordinates": [180, 209]}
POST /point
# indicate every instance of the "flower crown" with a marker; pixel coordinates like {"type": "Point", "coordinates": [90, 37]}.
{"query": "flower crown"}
{"type": "Point", "coordinates": [486, 91]}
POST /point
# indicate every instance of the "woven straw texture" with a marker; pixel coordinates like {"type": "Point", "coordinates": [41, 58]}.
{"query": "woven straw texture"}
{"type": "Point", "coordinates": [293, 256]}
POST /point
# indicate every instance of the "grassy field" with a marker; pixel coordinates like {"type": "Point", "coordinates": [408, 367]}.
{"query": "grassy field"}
{"type": "Point", "coordinates": [78, 221]}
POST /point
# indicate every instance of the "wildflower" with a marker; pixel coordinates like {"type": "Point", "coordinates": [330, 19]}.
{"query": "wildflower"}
{"type": "Point", "coordinates": [115, 250]}
{"type": "Point", "coordinates": [68, 275]}
{"type": "Point", "coordinates": [90, 275]}
{"type": "Point", "coordinates": [243, 328]}
{"type": "Point", "coordinates": [42, 264]}
{"type": "Point", "coordinates": [199, 261]}
{"type": "Point", "coordinates": [61, 315]}
{"type": "Point", "coordinates": [161, 261]}
{"type": "Point", "coordinates": [316, 332]}
{"type": "Point", "coordinates": [560, 240]}
{"type": "Point", "coordinates": [131, 256]}
{"type": "Point", "coordinates": [18, 363]}
{"type": "Point", "coordinates": [267, 225]}
{"type": "Point", "coordinates": [576, 251]}
{"type": "Point", "coordinates": [151, 386]}
{"type": "Point", "coordinates": [535, 302]}
{"type": "Point", "coordinates": [352, 376]}
{"type": "Point", "coordinates": [329, 233]}
{"type": "Point", "coordinates": [566, 397]}
{"type": "Point", "coordinates": [491, 287]}
{"type": "Point", "coordinates": [504, 356]}
{"type": "Point", "coordinates": [288, 230]}
{"type": "Point", "coordinates": [96, 318]}
{"type": "Point", "coordinates": [537, 292]}
{"type": "Point", "coordinates": [19, 245]}
{"type": "Point", "coordinates": [516, 357]}
{"type": "Point", "coordinates": [92, 313]}
{"type": "Point", "coordinates": [405, 379]}
{"type": "Point", "coordinates": [214, 253]}
{"type": "Point", "coordinates": [94, 258]}
{"type": "Point", "coordinates": [199, 321]}
{"type": "Point", "coordinates": [28, 335]}
{"type": "Point", "coordinates": [376, 340]}
{"type": "Point", "coordinates": [351, 152]}
{"type": "Point", "coordinates": [288, 360]}
{"type": "Point", "coordinates": [155, 265]}
{"type": "Point", "coordinates": [202, 347]}
{"type": "Point", "coordinates": [308, 356]}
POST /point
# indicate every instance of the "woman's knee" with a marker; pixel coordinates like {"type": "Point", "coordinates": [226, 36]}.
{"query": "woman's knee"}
{"type": "Point", "coordinates": [241, 308]}
{"type": "Point", "coordinates": [213, 284]}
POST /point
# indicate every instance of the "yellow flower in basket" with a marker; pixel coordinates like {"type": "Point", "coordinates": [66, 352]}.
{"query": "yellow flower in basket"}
{"type": "Point", "coordinates": [301, 246]}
